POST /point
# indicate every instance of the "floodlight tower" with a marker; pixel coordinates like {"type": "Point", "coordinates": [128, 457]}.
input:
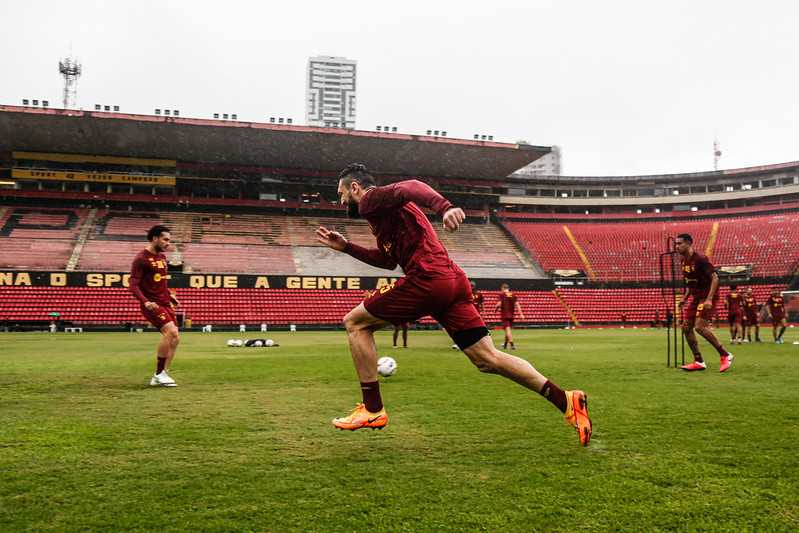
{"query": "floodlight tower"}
{"type": "Point", "coordinates": [70, 69]}
{"type": "Point", "coordinates": [716, 154]}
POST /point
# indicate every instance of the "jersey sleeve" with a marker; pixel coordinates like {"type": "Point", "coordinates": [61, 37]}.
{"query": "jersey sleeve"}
{"type": "Point", "coordinates": [398, 194]}
{"type": "Point", "coordinates": [370, 256]}
{"type": "Point", "coordinates": [135, 280]}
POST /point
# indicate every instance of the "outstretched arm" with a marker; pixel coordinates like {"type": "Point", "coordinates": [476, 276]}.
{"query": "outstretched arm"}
{"type": "Point", "coordinates": [374, 256]}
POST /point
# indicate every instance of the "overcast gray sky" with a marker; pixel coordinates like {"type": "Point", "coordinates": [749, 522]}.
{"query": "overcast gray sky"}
{"type": "Point", "coordinates": [625, 87]}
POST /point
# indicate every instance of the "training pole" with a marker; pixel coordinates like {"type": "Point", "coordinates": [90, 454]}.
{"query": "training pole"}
{"type": "Point", "coordinates": [670, 287]}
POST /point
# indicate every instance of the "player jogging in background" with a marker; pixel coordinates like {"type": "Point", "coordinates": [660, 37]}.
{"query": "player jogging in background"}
{"type": "Point", "coordinates": [148, 284]}
{"type": "Point", "coordinates": [699, 302]}
{"type": "Point", "coordinates": [508, 305]}
{"type": "Point", "coordinates": [433, 285]}
{"type": "Point", "coordinates": [751, 315]}
{"type": "Point", "coordinates": [776, 308]}
{"type": "Point", "coordinates": [735, 315]}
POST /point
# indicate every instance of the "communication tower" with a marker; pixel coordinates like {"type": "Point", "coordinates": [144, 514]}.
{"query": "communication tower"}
{"type": "Point", "coordinates": [70, 69]}
{"type": "Point", "coordinates": [716, 154]}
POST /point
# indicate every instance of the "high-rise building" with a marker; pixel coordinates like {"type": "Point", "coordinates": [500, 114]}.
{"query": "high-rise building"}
{"type": "Point", "coordinates": [549, 165]}
{"type": "Point", "coordinates": [330, 92]}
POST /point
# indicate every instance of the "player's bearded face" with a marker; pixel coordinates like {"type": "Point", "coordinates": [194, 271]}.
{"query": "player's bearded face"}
{"type": "Point", "coordinates": [349, 201]}
{"type": "Point", "coordinates": [162, 242]}
{"type": "Point", "coordinates": [352, 209]}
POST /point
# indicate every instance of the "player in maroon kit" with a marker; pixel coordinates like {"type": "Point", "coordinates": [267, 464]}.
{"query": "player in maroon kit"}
{"type": "Point", "coordinates": [735, 314]}
{"type": "Point", "coordinates": [751, 315]}
{"type": "Point", "coordinates": [477, 298]}
{"type": "Point", "coordinates": [148, 284]}
{"type": "Point", "coordinates": [404, 328]}
{"type": "Point", "coordinates": [776, 308]}
{"type": "Point", "coordinates": [433, 285]}
{"type": "Point", "coordinates": [698, 303]}
{"type": "Point", "coordinates": [509, 306]}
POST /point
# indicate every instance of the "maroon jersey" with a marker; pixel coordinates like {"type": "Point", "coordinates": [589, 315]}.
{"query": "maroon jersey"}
{"type": "Point", "coordinates": [698, 272]}
{"type": "Point", "coordinates": [750, 305]}
{"type": "Point", "coordinates": [404, 235]}
{"type": "Point", "coordinates": [734, 303]}
{"type": "Point", "coordinates": [508, 305]}
{"type": "Point", "coordinates": [477, 300]}
{"type": "Point", "coordinates": [148, 278]}
{"type": "Point", "coordinates": [776, 306]}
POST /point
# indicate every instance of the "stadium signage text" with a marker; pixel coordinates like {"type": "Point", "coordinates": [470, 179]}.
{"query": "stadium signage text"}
{"type": "Point", "coordinates": [90, 176]}
{"type": "Point", "coordinates": [195, 281]}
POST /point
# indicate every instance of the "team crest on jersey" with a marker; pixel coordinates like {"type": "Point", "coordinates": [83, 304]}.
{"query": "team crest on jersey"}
{"type": "Point", "coordinates": [387, 247]}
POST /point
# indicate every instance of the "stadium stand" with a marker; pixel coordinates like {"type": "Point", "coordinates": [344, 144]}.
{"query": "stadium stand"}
{"type": "Point", "coordinates": [629, 252]}
{"type": "Point", "coordinates": [38, 238]}
{"type": "Point", "coordinates": [604, 306]}
{"type": "Point", "coordinates": [89, 306]}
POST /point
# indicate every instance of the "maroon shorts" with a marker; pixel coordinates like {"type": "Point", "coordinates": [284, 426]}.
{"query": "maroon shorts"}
{"type": "Point", "coordinates": [777, 318]}
{"type": "Point", "coordinates": [164, 315]}
{"type": "Point", "coordinates": [695, 309]}
{"type": "Point", "coordinates": [507, 322]}
{"type": "Point", "coordinates": [448, 301]}
{"type": "Point", "coordinates": [752, 319]}
{"type": "Point", "coordinates": [734, 318]}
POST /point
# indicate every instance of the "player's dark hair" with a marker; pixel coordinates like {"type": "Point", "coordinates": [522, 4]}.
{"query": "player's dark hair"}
{"type": "Point", "coordinates": [357, 173]}
{"type": "Point", "coordinates": [156, 231]}
{"type": "Point", "coordinates": [686, 237]}
{"type": "Point", "coordinates": [733, 287]}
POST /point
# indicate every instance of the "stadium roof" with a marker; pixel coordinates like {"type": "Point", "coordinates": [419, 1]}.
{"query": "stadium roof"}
{"type": "Point", "coordinates": [221, 142]}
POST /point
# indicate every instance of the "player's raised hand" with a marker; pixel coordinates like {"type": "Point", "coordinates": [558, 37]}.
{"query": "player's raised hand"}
{"type": "Point", "coordinates": [453, 218]}
{"type": "Point", "coordinates": [333, 239]}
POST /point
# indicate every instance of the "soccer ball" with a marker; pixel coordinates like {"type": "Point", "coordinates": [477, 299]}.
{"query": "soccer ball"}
{"type": "Point", "coordinates": [257, 344]}
{"type": "Point", "coordinates": [269, 342]}
{"type": "Point", "coordinates": [386, 366]}
{"type": "Point", "coordinates": [239, 343]}
{"type": "Point", "coordinates": [231, 343]}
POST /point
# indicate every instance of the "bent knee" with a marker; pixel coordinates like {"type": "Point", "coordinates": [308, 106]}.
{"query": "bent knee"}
{"type": "Point", "coordinates": [349, 322]}
{"type": "Point", "coordinates": [485, 367]}
{"type": "Point", "coordinates": [486, 363]}
{"type": "Point", "coordinates": [703, 330]}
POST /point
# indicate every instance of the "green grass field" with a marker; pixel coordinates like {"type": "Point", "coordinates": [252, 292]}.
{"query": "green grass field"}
{"type": "Point", "coordinates": [245, 442]}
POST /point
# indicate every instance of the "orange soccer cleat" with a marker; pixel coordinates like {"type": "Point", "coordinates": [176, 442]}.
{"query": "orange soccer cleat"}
{"type": "Point", "coordinates": [693, 367]}
{"type": "Point", "coordinates": [361, 418]}
{"type": "Point", "coordinates": [577, 414]}
{"type": "Point", "coordinates": [726, 361]}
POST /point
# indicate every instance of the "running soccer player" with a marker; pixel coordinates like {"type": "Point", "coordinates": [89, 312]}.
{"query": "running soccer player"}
{"type": "Point", "coordinates": [509, 305]}
{"type": "Point", "coordinates": [751, 315]}
{"type": "Point", "coordinates": [698, 302]}
{"type": "Point", "coordinates": [433, 285]}
{"type": "Point", "coordinates": [735, 315]}
{"type": "Point", "coordinates": [148, 284]}
{"type": "Point", "coordinates": [776, 308]}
